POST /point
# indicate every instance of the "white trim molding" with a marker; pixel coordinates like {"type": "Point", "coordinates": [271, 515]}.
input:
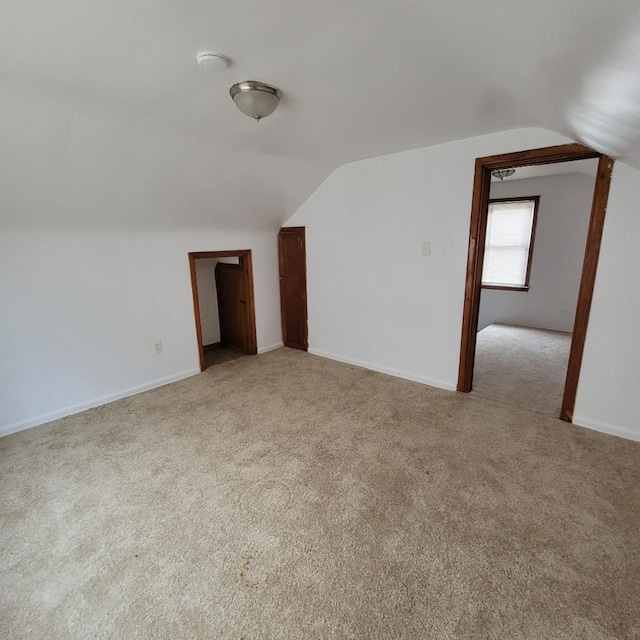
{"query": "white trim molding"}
{"type": "Point", "coordinates": [611, 430]}
{"type": "Point", "coordinates": [272, 347]}
{"type": "Point", "coordinates": [78, 408]}
{"type": "Point", "coordinates": [381, 369]}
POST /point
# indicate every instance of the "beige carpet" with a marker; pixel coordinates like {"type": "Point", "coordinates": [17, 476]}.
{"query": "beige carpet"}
{"type": "Point", "coordinates": [288, 496]}
{"type": "Point", "coordinates": [522, 367]}
{"type": "Point", "coordinates": [221, 355]}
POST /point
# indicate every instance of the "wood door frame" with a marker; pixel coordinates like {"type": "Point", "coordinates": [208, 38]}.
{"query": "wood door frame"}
{"type": "Point", "coordinates": [246, 262]}
{"type": "Point", "coordinates": [475, 258]}
{"type": "Point", "coordinates": [281, 232]}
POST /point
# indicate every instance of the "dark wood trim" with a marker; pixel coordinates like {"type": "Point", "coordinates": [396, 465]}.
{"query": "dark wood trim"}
{"type": "Point", "coordinates": [301, 233]}
{"type": "Point", "coordinates": [532, 238]}
{"type": "Point", "coordinates": [212, 347]}
{"type": "Point", "coordinates": [196, 308]}
{"type": "Point", "coordinates": [536, 206]}
{"type": "Point", "coordinates": [516, 199]}
{"type": "Point", "coordinates": [504, 287]}
{"type": "Point", "coordinates": [475, 256]}
{"type": "Point", "coordinates": [536, 157]}
{"type": "Point", "coordinates": [246, 263]}
{"type": "Point", "coordinates": [587, 283]}
{"type": "Point", "coordinates": [220, 254]}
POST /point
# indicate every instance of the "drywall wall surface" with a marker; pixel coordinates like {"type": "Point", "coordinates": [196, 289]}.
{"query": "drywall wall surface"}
{"type": "Point", "coordinates": [208, 299]}
{"type": "Point", "coordinates": [82, 309]}
{"type": "Point", "coordinates": [373, 299]}
{"type": "Point", "coordinates": [376, 302]}
{"type": "Point", "coordinates": [558, 254]}
{"type": "Point", "coordinates": [610, 378]}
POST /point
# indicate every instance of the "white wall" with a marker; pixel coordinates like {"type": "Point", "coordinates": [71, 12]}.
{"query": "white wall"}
{"type": "Point", "coordinates": [372, 298]}
{"type": "Point", "coordinates": [374, 301]}
{"type": "Point", "coordinates": [80, 310]}
{"type": "Point", "coordinates": [558, 253]}
{"type": "Point", "coordinates": [208, 299]}
{"type": "Point", "coordinates": [610, 379]}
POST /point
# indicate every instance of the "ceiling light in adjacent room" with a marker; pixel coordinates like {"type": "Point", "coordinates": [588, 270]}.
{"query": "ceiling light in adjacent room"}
{"type": "Point", "coordinates": [255, 99]}
{"type": "Point", "coordinates": [501, 174]}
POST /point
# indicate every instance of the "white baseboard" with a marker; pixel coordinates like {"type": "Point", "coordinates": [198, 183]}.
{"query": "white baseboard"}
{"type": "Point", "coordinates": [606, 428]}
{"type": "Point", "coordinates": [68, 411]}
{"type": "Point", "coordinates": [380, 369]}
{"type": "Point", "coordinates": [270, 348]}
{"type": "Point", "coordinates": [530, 326]}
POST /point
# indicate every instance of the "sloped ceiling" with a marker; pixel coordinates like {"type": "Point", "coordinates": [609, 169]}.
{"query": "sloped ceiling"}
{"type": "Point", "coordinates": [107, 121]}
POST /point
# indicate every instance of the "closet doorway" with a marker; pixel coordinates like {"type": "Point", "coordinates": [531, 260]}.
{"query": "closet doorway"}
{"type": "Point", "coordinates": [223, 305]}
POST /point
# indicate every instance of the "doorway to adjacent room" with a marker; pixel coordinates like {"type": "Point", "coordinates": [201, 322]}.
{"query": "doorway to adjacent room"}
{"type": "Point", "coordinates": [223, 304]}
{"type": "Point", "coordinates": [484, 169]}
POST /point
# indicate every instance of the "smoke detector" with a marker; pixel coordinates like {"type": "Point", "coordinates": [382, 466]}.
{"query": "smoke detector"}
{"type": "Point", "coordinates": [211, 61]}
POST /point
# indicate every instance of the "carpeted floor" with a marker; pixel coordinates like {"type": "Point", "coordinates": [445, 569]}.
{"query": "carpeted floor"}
{"type": "Point", "coordinates": [221, 355]}
{"type": "Point", "coordinates": [288, 496]}
{"type": "Point", "coordinates": [522, 367]}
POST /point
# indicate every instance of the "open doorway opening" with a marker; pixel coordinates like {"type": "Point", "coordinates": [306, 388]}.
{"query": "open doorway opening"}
{"type": "Point", "coordinates": [486, 219]}
{"type": "Point", "coordinates": [223, 304]}
{"type": "Point", "coordinates": [534, 247]}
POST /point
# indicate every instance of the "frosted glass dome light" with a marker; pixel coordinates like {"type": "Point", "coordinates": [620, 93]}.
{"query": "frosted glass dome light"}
{"type": "Point", "coordinates": [255, 99]}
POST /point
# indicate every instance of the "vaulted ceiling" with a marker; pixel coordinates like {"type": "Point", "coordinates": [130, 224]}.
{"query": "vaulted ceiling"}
{"type": "Point", "coordinates": [107, 121]}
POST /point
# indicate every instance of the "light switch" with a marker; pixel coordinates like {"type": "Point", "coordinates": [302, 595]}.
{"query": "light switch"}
{"type": "Point", "coordinates": [426, 248]}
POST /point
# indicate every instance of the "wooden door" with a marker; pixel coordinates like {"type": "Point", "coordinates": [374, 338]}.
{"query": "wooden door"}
{"type": "Point", "coordinates": [293, 286]}
{"type": "Point", "coordinates": [231, 305]}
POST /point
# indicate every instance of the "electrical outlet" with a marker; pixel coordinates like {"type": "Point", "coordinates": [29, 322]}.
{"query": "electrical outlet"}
{"type": "Point", "coordinates": [157, 347]}
{"type": "Point", "coordinates": [426, 248]}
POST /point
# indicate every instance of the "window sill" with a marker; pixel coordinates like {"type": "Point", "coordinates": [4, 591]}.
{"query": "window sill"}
{"type": "Point", "coordinates": [505, 287]}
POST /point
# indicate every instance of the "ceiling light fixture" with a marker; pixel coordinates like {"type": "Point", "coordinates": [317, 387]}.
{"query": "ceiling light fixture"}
{"type": "Point", "coordinates": [501, 174]}
{"type": "Point", "coordinates": [255, 99]}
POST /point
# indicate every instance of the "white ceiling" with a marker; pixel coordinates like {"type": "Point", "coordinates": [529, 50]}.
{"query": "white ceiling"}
{"type": "Point", "coordinates": [106, 120]}
{"type": "Point", "coordinates": [584, 167]}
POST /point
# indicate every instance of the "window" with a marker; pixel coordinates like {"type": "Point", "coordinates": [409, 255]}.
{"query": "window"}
{"type": "Point", "coordinates": [509, 243]}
